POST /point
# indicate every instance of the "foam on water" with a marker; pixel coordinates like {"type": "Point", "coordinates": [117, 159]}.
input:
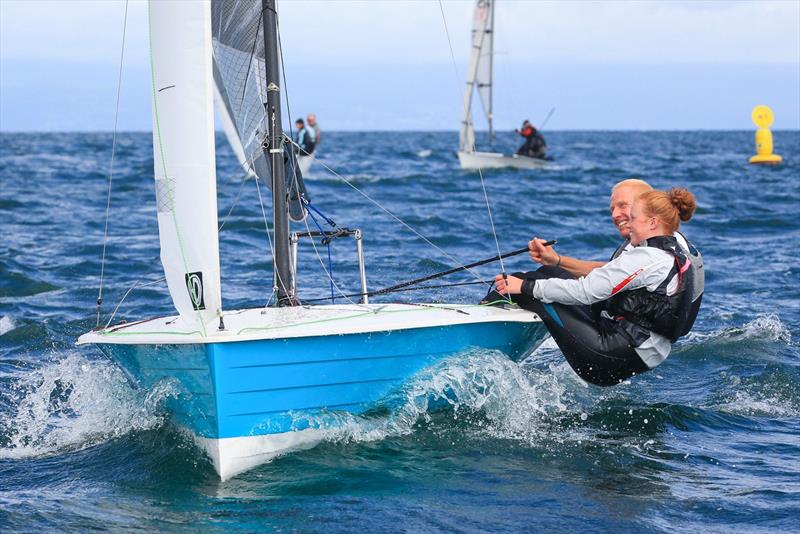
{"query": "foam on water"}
{"type": "Point", "coordinates": [73, 403]}
{"type": "Point", "coordinates": [511, 401]}
{"type": "Point", "coordinates": [766, 327]}
{"type": "Point", "coordinates": [6, 324]}
{"type": "Point", "coordinates": [769, 395]}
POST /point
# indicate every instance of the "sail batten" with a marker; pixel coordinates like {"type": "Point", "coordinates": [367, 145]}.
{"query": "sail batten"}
{"type": "Point", "coordinates": [238, 49]}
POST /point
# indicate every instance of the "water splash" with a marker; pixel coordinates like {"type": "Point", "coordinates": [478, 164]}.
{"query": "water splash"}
{"type": "Point", "coordinates": [74, 403]}
{"type": "Point", "coordinates": [763, 328]}
{"type": "Point", "coordinates": [495, 395]}
{"type": "Point", "coordinates": [771, 394]}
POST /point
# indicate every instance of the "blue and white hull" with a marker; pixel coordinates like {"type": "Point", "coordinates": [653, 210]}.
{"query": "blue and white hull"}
{"type": "Point", "coordinates": [254, 390]}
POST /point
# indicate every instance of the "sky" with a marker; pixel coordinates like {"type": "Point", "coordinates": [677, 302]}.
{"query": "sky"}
{"type": "Point", "coordinates": [387, 65]}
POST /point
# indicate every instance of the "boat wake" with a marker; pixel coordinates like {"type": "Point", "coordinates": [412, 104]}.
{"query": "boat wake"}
{"type": "Point", "coordinates": [74, 403]}
{"type": "Point", "coordinates": [481, 389]}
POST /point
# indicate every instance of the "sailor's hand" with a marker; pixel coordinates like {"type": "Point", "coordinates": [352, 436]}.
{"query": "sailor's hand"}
{"type": "Point", "coordinates": [508, 285]}
{"type": "Point", "coordinates": [540, 253]}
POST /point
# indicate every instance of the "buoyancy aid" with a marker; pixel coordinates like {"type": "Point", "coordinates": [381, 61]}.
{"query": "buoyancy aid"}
{"type": "Point", "coordinates": [670, 313]}
{"type": "Point", "coordinates": [696, 280]}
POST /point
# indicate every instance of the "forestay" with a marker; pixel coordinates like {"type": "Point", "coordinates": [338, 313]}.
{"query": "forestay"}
{"type": "Point", "coordinates": [183, 142]}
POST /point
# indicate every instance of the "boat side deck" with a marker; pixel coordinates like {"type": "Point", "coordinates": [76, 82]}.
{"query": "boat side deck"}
{"type": "Point", "coordinates": [302, 321]}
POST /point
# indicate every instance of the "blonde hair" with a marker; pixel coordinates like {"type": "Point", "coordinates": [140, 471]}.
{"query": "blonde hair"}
{"type": "Point", "coordinates": [671, 208]}
{"type": "Point", "coordinates": [635, 182]}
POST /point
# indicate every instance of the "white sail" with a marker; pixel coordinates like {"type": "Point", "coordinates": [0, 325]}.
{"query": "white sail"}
{"type": "Point", "coordinates": [479, 72]}
{"type": "Point", "coordinates": [183, 146]}
{"type": "Point", "coordinates": [231, 134]}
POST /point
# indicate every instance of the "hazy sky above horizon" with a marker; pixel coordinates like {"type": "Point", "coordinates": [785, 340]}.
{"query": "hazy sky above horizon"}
{"type": "Point", "coordinates": [387, 64]}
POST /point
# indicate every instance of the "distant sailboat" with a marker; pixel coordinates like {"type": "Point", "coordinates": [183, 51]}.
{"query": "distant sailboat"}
{"type": "Point", "coordinates": [254, 382]}
{"type": "Point", "coordinates": [479, 78]}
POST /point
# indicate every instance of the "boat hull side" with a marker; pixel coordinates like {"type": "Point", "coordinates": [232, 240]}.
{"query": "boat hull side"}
{"type": "Point", "coordinates": [248, 402]}
{"type": "Point", "coordinates": [493, 160]}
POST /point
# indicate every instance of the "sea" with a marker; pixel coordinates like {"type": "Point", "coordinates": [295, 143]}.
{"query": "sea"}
{"type": "Point", "coordinates": [707, 442]}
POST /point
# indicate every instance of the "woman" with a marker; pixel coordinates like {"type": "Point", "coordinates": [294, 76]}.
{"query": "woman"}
{"type": "Point", "coordinates": [621, 319]}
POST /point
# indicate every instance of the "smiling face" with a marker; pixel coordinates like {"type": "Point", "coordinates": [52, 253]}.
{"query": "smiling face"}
{"type": "Point", "coordinates": [640, 225]}
{"type": "Point", "coordinates": [621, 202]}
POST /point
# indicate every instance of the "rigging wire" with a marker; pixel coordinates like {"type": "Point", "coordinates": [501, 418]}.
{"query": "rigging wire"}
{"type": "Point", "coordinates": [111, 165]}
{"type": "Point", "coordinates": [480, 172]}
{"type": "Point", "coordinates": [402, 222]}
{"type": "Point", "coordinates": [295, 182]}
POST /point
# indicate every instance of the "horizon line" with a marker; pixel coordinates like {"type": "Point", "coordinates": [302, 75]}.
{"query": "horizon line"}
{"type": "Point", "coordinates": [434, 130]}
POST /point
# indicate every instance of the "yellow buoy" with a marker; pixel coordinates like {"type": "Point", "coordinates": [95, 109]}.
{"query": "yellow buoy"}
{"type": "Point", "coordinates": [763, 118]}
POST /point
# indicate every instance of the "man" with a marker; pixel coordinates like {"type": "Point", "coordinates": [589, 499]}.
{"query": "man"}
{"type": "Point", "coordinates": [622, 196]}
{"type": "Point", "coordinates": [535, 145]}
{"type": "Point", "coordinates": [312, 124]}
{"type": "Point", "coordinates": [305, 140]}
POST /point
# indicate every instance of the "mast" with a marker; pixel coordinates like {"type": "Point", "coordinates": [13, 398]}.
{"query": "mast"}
{"type": "Point", "coordinates": [490, 35]}
{"type": "Point", "coordinates": [273, 152]}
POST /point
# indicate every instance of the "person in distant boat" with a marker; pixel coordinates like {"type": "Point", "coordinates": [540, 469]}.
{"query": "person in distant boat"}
{"type": "Point", "coordinates": [304, 139]}
{"type": "Point", "coordinates": [622, 317]}
{"type": "Point", "coordinates": [313, 125]}
{"type": "Point", "coordinates": [534, 145]}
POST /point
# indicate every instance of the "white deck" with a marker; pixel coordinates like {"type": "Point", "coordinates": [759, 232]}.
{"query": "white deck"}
{"type": "Point", "coordinates": [304, 321]}
{"type": "Point", "coordinates": [495, 160]}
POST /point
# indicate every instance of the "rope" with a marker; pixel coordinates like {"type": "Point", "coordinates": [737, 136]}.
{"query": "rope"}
{"type": "Point", "coordinates": [398, 219]}
{"type": "Point", "coordinates": [294, 170]}
{"type": "Point", "coordinates": [480, 172]}
{"type": "Point", "coordinates": [111, 166]}
{"type": "Point", "coordinates": [269, 237]}
{"type": "Point", "coordinates": [330, 261]}
{"type": "Point", "coordinates": [418, 288]}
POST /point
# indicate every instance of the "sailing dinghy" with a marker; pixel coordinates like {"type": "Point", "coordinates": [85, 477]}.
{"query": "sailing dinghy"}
{"type": "Point", "coordinates": [479, 79]}
{"type": "Point", "coordinates": [257, 383]}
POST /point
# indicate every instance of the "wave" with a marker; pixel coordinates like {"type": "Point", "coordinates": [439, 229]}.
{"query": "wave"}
{"type": "Point", "coordinates": [482, 388]}
{"type": "Point", "coordinates": [74, 403]}
{"type": "Point", "coordinates": [7, 324]}
{"type": "Point", "coordinates": [767, 327]}
{"type": "Point", "coordinates": [775, 393]}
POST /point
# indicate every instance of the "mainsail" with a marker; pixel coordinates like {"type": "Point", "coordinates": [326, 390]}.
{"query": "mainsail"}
{"type": "Point", "coordinates": [185, 171]}
{"type": "Point", "coordinates": [239, 73]}
{"type": "Point", "coordinates": [479, 73]}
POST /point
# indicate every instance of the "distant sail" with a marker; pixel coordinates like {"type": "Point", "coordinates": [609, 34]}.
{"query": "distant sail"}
{"type": "Point", "coordinates": [479, 73]}
{"type": "Point", "coordinates": [183, 145]}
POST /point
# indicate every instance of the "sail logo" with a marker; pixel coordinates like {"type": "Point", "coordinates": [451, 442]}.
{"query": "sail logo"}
{"type": "Point", "coordinates": [194, 283]}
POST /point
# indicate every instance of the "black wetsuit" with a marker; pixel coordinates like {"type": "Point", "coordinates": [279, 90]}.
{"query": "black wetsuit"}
{"type": "Point", "coordinates": [601, 347]}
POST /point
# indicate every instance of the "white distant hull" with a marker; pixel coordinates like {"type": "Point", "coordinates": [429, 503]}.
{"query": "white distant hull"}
{"type": "Point", "coordinates": [495, 160]}
{"type": "Point", "coordinates": [304, 162]}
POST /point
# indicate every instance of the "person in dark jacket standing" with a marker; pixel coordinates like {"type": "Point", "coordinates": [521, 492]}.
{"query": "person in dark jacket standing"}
{"type": "Point", "coordinates": [305, 139]}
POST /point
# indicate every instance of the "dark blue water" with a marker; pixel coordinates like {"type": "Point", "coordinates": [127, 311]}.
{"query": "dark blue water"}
{"type": "Point", "coordinates": [709, 441]}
